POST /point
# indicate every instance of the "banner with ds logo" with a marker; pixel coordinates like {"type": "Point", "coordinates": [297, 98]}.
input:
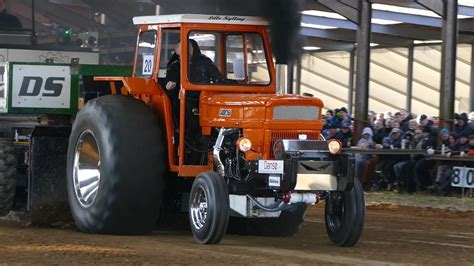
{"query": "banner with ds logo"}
{"type": "Point", "coordinates": [41, 86]}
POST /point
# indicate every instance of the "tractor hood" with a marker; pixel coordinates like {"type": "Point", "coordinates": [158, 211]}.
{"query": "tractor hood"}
{"type": "Point", "coordinates": [253, 110]}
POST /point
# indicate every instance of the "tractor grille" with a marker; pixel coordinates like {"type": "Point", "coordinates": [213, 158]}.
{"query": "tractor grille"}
{"type": "Point", "coordinates": [290, 135]}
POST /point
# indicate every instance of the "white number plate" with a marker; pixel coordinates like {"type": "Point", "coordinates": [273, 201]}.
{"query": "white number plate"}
{"type": "Point", "coordinates": [270, 167]}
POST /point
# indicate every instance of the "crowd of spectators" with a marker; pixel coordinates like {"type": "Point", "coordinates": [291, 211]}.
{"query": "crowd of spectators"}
{"type": "Point", "coordinates": [403, 130]}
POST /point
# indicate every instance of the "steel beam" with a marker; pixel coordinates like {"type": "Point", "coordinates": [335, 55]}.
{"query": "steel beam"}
{"type": "Point", "coordinates": [343, 9]}
{"type": "Point", "coordinates": [351, 82]}
{"type": "Point", "coordinates": [448, 64]}
{"type": "Point", "coordinates": [363, 69]}
{"type": "Point", "coordinates": [298, 77]}
{"type": "Point", "coordinates": [436, 6]}
{"type": "Point", "coordinates": [462, 10]}
{"type": "Point", "coordinates": [351, 36]}
{"type": "Point", "coordinates": [290, 77]}
{"type": "Point", "coordinates": [376, 28]}
{"type": "Point", "coordinates": [471, 96]}
{"type": "Point", "coordinates": [326, 44]}
{"type": "Point", "coordinates": [411, 52]}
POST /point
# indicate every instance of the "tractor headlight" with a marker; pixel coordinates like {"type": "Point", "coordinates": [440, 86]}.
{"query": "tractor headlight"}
{"type": "Point", "coordinates": [244, 144]}
{"type": "Point", "coordinates": [335, 146]}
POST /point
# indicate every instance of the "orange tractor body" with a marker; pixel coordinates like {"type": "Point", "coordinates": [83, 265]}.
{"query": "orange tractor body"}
{"type": "Point", "coordinates": [201, 127]}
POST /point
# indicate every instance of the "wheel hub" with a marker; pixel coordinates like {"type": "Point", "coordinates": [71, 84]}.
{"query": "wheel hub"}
{"type": "Point", "coordinates": [86, 173]}
{"type": "Point", "coordinates": [199, 208]}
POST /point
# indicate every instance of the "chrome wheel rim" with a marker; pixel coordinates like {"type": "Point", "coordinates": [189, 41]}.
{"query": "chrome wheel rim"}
{"type": "Point", "coordinates": [198, 208]}
{"type": "Point", "coordinates": [86, 173]}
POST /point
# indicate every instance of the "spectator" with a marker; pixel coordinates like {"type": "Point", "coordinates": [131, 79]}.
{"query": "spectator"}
{"type": "Point", "coordinates": [471, 146]}
{"type": "Point", "coordinates": [395, 124]}
{"type": "Point", "coordinates": [386, 163]}
{"type": "Point", "coordinates": [403, 165]}
{"type": "Point", "coordinates": [405, 118]}
{"type": "Point", "coordinates": [423, 166]}
{"type": "Point", "coordinates": [331, 132]}
{"type": "Point", "coordinates": [462, 145]}
{"type": "Point", "coordinates": [332, 120]}
{"type": "Point", "coordinates": [461, 123]}
{"type": "Point", "coordinates": [442, 182]}
{"type": "Point", "coordinates": [345, 118]}
{"type": "Point", "coordinates": [361, 160]}
{"type": "Point", "coordinates": [388, 125]}
{"type": "Point", "coordinates": [8, 20]}
{"type": "Point", "coordinates": [411, 126]}
{"type": "Point", "coordinates": [344, 135]}
{"type": "Point", "coordinates": [379, 134]}
{"type": "Point", "coordinates": [444, 137]}
{"type": "Point", "coordinates": [471, 117]}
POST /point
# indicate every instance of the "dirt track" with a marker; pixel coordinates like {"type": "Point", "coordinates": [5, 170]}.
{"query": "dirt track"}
{"type": "Point", "coordinates": [392, 234]}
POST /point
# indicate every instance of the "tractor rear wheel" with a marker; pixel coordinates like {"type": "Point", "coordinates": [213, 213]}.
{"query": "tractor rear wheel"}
{"type": "Point", "coordinates": [115, 167]}
{"type": "Point", "coordinates": [7, 176]}
{"type": "Point", "coordinates": [345, 215]}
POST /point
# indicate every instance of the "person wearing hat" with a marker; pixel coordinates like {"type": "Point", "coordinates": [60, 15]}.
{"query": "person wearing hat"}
{"type": "Point", "coordinates": [461, 123]}
{"type": "Point", "coordinates": [344, 135]}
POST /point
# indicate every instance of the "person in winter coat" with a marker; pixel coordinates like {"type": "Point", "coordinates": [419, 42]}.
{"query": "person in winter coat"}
{"type": "Point", "coordinates": [345, 135]}
{"type": "Point", "coordinates": [365, 142]}
{"type": "Point", "coordinates": [423, 166]}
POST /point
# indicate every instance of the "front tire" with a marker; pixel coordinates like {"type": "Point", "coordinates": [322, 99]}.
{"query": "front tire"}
{"type": "Point", "coordinates": [209, 208]}
{"type": "Point", "coordinates": [345, 215]}
{"type": "Point", "coordinates": [7, 176]}
{"type": "Point", "coordinates": [115, 167]}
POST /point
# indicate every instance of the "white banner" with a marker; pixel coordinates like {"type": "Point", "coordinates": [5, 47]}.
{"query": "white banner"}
{"type": "Point", "coordinates": [41, 86]}
{"type": "Point", "coordinates": [3, 88]}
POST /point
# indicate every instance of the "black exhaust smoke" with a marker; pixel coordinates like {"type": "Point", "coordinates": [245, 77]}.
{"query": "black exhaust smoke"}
{"type": "Point", "coordinates": [285, 19]}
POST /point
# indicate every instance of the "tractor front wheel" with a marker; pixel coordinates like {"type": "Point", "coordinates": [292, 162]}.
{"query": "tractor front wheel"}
{"type": "Point", "coordinates": [345, 215]}
{"type": "Point", "coordinates": [209, 208]}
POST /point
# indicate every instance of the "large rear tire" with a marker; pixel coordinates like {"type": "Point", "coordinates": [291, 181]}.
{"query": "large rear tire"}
{"type": "Point", "coordinates": [345, 215]}
{"type": "Point", "coordinates": [209, 208]}
{"type": "Point", "coordinates": [7, 176]}
{"type": "Point", "coordinates": [287, 224]}
{"type": "Point", "coordinates": [115, 167]}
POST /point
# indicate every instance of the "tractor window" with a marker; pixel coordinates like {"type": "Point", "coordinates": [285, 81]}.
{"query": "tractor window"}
{"type": "Point", "coordinates": [249, 66]}
{"type": "Point", "coordinates": [238, 58]}
{"type": "Point", "coordinates": [146, 54]}
{"type": "Point", "coordinates": [169, 40]}
{"type": "Point", "coordinates": [208, 44]}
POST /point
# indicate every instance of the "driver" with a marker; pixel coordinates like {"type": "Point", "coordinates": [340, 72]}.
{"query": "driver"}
{"type": "Point", "coordinates": [201, 69]}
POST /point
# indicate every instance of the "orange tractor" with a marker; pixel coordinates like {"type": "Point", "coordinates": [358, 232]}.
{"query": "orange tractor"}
{"type": "Point", "coordinates": [219, 143]}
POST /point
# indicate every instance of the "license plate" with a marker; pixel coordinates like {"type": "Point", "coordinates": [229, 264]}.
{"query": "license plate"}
{"type": "Point", "coordinates": [270, 167]}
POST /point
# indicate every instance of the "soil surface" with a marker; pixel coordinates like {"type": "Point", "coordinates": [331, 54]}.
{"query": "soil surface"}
{"type": "Point", "coordinates": [393, 234]}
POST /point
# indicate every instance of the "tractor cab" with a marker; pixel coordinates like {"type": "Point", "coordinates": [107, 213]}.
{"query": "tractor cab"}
{"type": "Point", "coordinates": [191, 55]}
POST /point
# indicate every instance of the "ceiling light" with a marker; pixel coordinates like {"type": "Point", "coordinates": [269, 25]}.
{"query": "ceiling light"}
{"type": "Point", "coordinates": [385, 21]}
{"type": "Point", "coordinates": [427, 41]}
{"type": "Point", "coordinates": [322, 14]}
{"type": "Point", "coordinates": [317, 26]}
{"type": "Point", "coordinates": [311, 48]}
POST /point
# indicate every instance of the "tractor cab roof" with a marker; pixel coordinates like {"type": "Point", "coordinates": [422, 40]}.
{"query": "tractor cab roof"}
{"type": "Point", "coordinates": [196, 18]}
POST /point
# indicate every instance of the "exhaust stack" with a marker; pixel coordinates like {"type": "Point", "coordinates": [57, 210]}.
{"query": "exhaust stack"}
{"type": "Point", "coordinates": [281, 79]}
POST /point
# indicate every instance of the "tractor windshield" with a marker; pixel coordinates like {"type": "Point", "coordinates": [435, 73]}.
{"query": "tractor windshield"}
{"type": "Point", "coordinates": [233, 58]}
